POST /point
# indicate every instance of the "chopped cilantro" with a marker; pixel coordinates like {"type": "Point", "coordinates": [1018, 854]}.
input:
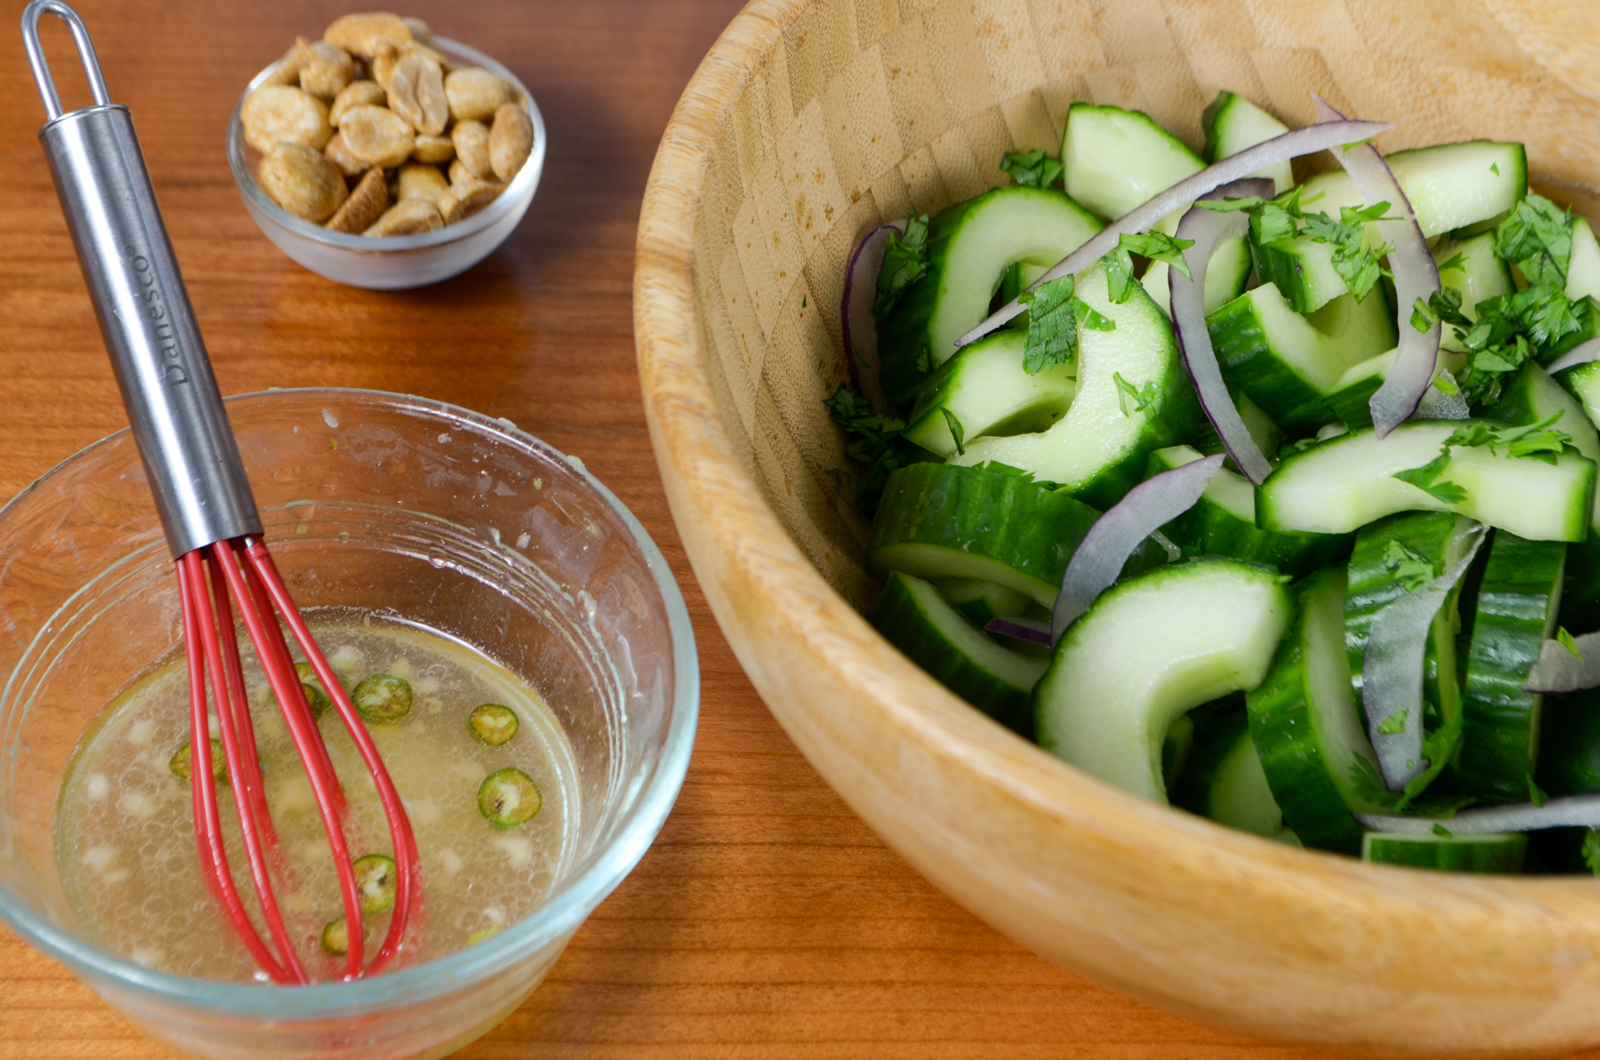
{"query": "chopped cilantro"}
{"type": "Point", "coordinates": [1394, 723]}
{"type": "Point", "coordinates": [1425, 478]}
{"type": "Point", "coordinates": [1141, 397]}
{"type": "Point", "coordinates": [1445, 383]}
{"type": "Point", "coordinates": [905, 259]}
{"type": "Point", "coordinates": [1537, 236]}
{"type": "Point", "coordinates": [1510, 329]}
{"type": "Point", "coordinates": [1457, 263]}
{"type": "Point", "coordinates": [876, 443]}
{"type": "Point", "coordinates": [1357, 264]}
{"type": "Point", "coordinates": [1442, 832]}
{"type": "Point", "coordinates": [956, 432]}
{"type": "Point", "coordinates": [1422, 318]}
{"type": "Point", "coordinates": [1056, 315]}
{"type": "Point", "coordinates": [1565, 640]}
{"type": "Point", "coordinates": [1032, 169]}
{"type": "Point", "coordinates": [1153, 245]}
{"type": "Point", "coordinates": [1410, 569]}
{"type": "Point", "coordinates": [1494, 167]}
{"type": "Point", "coordinates": [1536, 794]}
{"type": "Point", "coordinates": [1591, 851]}
{"type": "Point", "coordinates": [1535, 441]}
{"type": "Point", "coordinates": [803, 299]}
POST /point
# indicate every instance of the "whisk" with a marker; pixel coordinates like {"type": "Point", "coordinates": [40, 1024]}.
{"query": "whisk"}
{"type": "Point", "coordinates": [211, 524]}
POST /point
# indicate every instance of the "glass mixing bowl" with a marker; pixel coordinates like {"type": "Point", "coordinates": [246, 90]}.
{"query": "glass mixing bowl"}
{"type": "Point", "coordinates": [406, 507]}
{"type": "Point", "coordinates": [392, 262]}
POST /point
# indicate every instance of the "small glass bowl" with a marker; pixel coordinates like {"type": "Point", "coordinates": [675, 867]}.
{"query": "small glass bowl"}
{"type": "Point", "coordinates": [391, 263]}
{"type": "Point", "coordinates": [395, 504]}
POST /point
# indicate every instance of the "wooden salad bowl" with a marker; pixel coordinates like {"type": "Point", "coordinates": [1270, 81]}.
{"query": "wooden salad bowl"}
{"type": "Point", "coordinates": [812, 121]}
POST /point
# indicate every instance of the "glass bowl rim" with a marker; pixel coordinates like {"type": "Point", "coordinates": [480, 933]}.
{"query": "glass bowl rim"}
{"type": "Point", "coordinates": [520, 190]}
{"type": "Point", "coordinates": [573, 899]}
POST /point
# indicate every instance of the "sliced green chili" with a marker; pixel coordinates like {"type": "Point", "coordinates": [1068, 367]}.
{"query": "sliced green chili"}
{"type": "Point", "coordinates": [316, 697]}
{"type": "Point", "coordinates": [508, 797]}
{"type": "Point", "coordinates": [383, 697]}
{"type": "Point", "coordinates": [493, 724]}
{"type": "Point", "coordinates": [336, 937]}
{"type": "Point", "coordinates": [179, 762]}
{"type": "Point", "coordinates": [376, 879]}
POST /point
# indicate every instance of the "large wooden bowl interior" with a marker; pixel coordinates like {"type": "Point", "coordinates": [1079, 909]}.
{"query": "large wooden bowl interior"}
{"type": "Point", "coordinates": [811, 122]}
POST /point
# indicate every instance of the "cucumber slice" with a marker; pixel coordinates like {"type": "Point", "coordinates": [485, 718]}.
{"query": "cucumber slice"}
{"type": "Point", "coordinates": [1232, 123]}
{"type": "Point", "coordinates": [1223, 523]}
{"type": "Point", "coordinates": [1301, 269]}
{"type": "Point", "coordinates": [985, 388]}
{"type": "Point", "coordinates": [1348, 481]}
{"type": "Point", "coordinates": [1491, 852]}
{"type": "Point", "coordinates": [982, 602]}
{"type": "Point", "coordinates": [1306, 725]}
{"type": "Point", "coordinates": [1583, 271]}
{"type": "Point", "coordinates": [1515, 615]}
{"type": "Point", "coordinates": [1227, 275]}
{"type": "Point", "coordinates": [1531, 397]}
{"type": "Point", "coordinates": [1290, 364]}
{"type": "Point", "coordinates": [970, 247]}
{"type": "Point", "coordinates": [1151, 648]}
{"type": "Point", "coordinates": [1118, 159]}
{"type": "Point", "coordinates": [913, 617]}
{"type": "Point", "coordinates": [1351, 400]}
{"type": "Point", "coordinates": [1450, 186]}
{"type": "Point", "coordinates": [1582, 381]}
{"type": "Point", "coordinates": [1176, 747]}
{"type": "Point", "coordinates": [1479, 275]}
{"type": "Point", "coordinates": [1569, 743]}
{"type": "Point", "coordinates": [1224, 780]}
{"type": "Point", "coordinates": [938, 521]}
{"type": "Point", "coordinates": [1097, 451]}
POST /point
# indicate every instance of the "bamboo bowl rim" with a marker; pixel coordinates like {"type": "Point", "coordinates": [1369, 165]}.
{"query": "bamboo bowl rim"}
{"type": "Point", "coordinates": [760, 557]}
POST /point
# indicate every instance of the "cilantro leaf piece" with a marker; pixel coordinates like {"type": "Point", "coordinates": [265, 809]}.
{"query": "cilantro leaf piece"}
{"type": "Point", "coordinates": [1055, 316]}
{"type": "Point", "coordinates": [1140, 397]}
{"type": "Point", "coordinates": [875, 442]}
{"type": "Point", "coordinates": [956, 432]}
{"type": "Point", "coordinates": [1271, 223]}
{"type": "Point", "coordinates": [1033, 169]}
{"type": "Point", "coordinates": [1565, 640]}
{"type": "Point", "coordinates": [1536, 794]}
{"type": "Point", "coordinates": [905, 259]}
{"type": "Point", "coordinates": [1591, 851]}
{"type": "Point", "coordinates": [1153, 245]}
{"type": "Point", "coordinates": [1394, 723]}
{"type": "Point", "coordinates": [1442, 832]}
{"type": "Point", "coordinates": [1445, 384]}
{"type": "Point", "coordinates": [1410, 569]}
{"type": "Point", "coordinates": [1537, 237]}
{"type": "Point", "coordinates": [1248, 202]}
{"type": "Point", "coordinates": [1457, 263]}
{"type": "Point", "coordinates": [1425, 479]}
{"type": "Point", "coordinates": [1445, 304]}
{"type": "Point", "coordinates": [1422, 318]}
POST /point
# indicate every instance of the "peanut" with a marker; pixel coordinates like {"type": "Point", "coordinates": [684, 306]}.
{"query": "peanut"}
{"type": "Point", "coordinates": [510, 140]}
{"type": "Point", "coordinates": [364, 34]}
{"type": "Point", "coordinates": [287, 70]}
{"type": "Point", "coordinates": [419, 30]}
{"type": "Point", "coordinates": [342, 159]}
{"type": "Point", "coordinates": [474, 94]}
{"type": "Point", "coordinates": [275, 114]}
{"type": "Point", "coordinates": [383, 64]}
{"type": "Point", "coordinates": [416, 93]}
{"type": "Point", "coordinates": [328, 71]}
{"type": "Point", "coordinates": [433, 149]}
{"type": "Point", "coordinates": [405, 218]}
{"type": "Point", "coordinates": [471, 140]}
{"type": "Point", "coordinates": [467, 195]}
{"type": "Point", "coordinates": [364, 206]}
{"type": "Point", "coordinates": [300, 180]}
{"type": "Point", "coordinates": [355, 94]}
{"type": "Point", "coordinates": [422, 182]}
{"type": "Point", "coordinates": [376, 136]}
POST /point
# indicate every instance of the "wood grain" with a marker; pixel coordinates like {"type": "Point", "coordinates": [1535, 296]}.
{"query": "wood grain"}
{"type": "Point", "coordinates": [815, 120]}
{"type": "Point", "coordinates": [767, 921]}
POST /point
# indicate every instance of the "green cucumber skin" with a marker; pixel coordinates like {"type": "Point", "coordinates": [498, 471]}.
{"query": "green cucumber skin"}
{"type": "Point", "coordinates": [980, 377]}
{"type": "Point", "coordinates": [1569, 744]}
{"type": "Point", "coordinates": [1515, 613]}
{"type": "Point", "coordinates": [1283, 728]}
{"type": "Point", "coordinates": [1246, 360]}
{"type": "Point", "coordinates": [905, 623]}
{"type": "Point", "coordinates": [1221, 784]}
{"type": "Point", "coordinates": [1163, 160]}
{"type": "Point", "coordinates": [906, 341]}
{"type": "Point", "coordinates": [1025, 532]}
{"type": "Point", "coordinates": [1301, 269]}
{"type": "Point", "coordinates": [1499, 853]}
{"type": "Point", "coordinates": [1233, 123]}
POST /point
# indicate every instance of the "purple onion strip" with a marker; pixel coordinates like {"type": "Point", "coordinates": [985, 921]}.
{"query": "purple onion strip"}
{"type": "Point", "coordinates": [1292, 144]}
{"type": "Point", "coordinates": [1148, 507]}
{"type": "Point", "coordinates": [1582, 353]}
{"type": "Point", "coordinates": [1568, 811]}
{"type": "Point", "coordinates": [1415, 276]}
{"type": "Point", "coordinates": [1020, 628]}
{"type": "Point", "coordinates": [1392, 669]}
{"type": "Point", "coordinates": [855, 313]}
{"type": "Point", "coordinates": [1208, 228]}
{"type": "Point", "coordinates": [1558, 670]}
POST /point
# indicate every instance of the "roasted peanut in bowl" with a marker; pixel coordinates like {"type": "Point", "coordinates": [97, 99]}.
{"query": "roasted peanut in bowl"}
{"type": "Point", "coordinates": [382, 156]}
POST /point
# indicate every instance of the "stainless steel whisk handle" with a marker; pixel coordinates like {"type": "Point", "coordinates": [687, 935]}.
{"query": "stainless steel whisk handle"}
{"type": "Point", "coordinates": [160, 360]}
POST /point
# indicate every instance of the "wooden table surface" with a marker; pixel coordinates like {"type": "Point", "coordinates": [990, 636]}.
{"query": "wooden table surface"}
{"type": "Point", "coordinates": [766, 921]}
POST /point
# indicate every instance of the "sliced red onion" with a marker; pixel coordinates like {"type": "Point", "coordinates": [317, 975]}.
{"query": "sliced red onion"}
{"type": "Point", "coordinates": [855, 313]}
{"type": "Point", "coordinates": [1292, 144]}
{"type": "Point", "coordinates": [1437, 405]}
{"type": "Point", "coordinates": [1020, 628]}
{"type": "Point", "coordinates": [1392, 669]}
{"type": "Point", "coordinates": [1208, 228]}
{"type": "Point", "coordinates": [1415, 276]}
{"type": "Point", "coordinates": [1148, 507]}
{"type": "Point", "coordinates": [1582, 353]}
{"type": "Point", "coordinates": [1558, 670]}
{"type": "Point", "coordinates": [1568, 811]}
